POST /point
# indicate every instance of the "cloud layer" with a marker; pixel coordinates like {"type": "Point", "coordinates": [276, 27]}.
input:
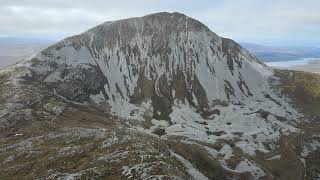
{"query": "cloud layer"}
{"type": "Point", "coordinates": [275, 22]}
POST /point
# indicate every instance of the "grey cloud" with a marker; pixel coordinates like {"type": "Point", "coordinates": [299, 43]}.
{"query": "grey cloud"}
{"type": "Point", "coordinates": [246, 20]}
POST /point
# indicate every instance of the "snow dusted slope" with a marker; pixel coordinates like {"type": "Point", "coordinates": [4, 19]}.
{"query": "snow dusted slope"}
{"type": "Point", "coordinates": [173, 71]}
{"type": "Point", "coordinates": [176, 56]}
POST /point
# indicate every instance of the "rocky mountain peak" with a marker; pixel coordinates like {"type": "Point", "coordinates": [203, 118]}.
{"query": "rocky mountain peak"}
{"type": "Point", "coordinates": [168, 52]}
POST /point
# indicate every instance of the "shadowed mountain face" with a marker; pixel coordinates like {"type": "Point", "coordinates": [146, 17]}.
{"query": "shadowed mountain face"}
{"type": "Point", "coordinates": [159, 96]}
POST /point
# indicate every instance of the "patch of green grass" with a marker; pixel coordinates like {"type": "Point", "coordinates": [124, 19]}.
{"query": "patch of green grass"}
{"type": "Point", "coordinates": [303, 82]}
{"type": "Point", "coordinates": [303, 88]}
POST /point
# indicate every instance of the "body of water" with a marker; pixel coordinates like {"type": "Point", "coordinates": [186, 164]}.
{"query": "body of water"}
{"type": "Point", "coordinates": [292, 63]}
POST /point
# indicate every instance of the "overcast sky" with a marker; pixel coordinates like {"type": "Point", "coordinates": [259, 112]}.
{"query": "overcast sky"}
{"type": "Point", "coordinates": [289, 22]}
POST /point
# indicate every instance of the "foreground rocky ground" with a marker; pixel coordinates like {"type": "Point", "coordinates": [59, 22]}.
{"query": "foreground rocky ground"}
{"type": "Point", "coordinates": [54, 138]}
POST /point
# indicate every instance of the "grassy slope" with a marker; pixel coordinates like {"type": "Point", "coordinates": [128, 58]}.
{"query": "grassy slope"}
{"type": "Point", "coordinates": [303, 88]}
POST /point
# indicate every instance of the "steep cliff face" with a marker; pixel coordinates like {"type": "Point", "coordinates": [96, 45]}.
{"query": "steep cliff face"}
{"type": "Point", "coordinates": [165, 74]}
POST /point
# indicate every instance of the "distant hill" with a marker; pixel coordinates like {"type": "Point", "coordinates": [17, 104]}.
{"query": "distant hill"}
{"type": "Point", "coordinates": [276, 53]}
{"type": "Point", "coordinates": [13, 50]}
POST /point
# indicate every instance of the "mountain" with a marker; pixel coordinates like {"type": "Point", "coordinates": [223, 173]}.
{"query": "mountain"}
{"type": "Point", "coordinates": [156, 97]}
{"type": "Point", "coordinates": [276, 53]}
{"type": "Point", "coordinates": [13, 50]}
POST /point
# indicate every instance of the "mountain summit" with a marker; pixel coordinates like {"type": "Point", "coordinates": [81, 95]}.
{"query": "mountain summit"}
{"type": "Point", "coordinates": [147, 97]}
{"type": "Point", "coordinates": [157, 59]}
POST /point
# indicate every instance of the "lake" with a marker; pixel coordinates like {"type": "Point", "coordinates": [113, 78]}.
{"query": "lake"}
{"type": "Point", "coordinates": [292, 63]}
